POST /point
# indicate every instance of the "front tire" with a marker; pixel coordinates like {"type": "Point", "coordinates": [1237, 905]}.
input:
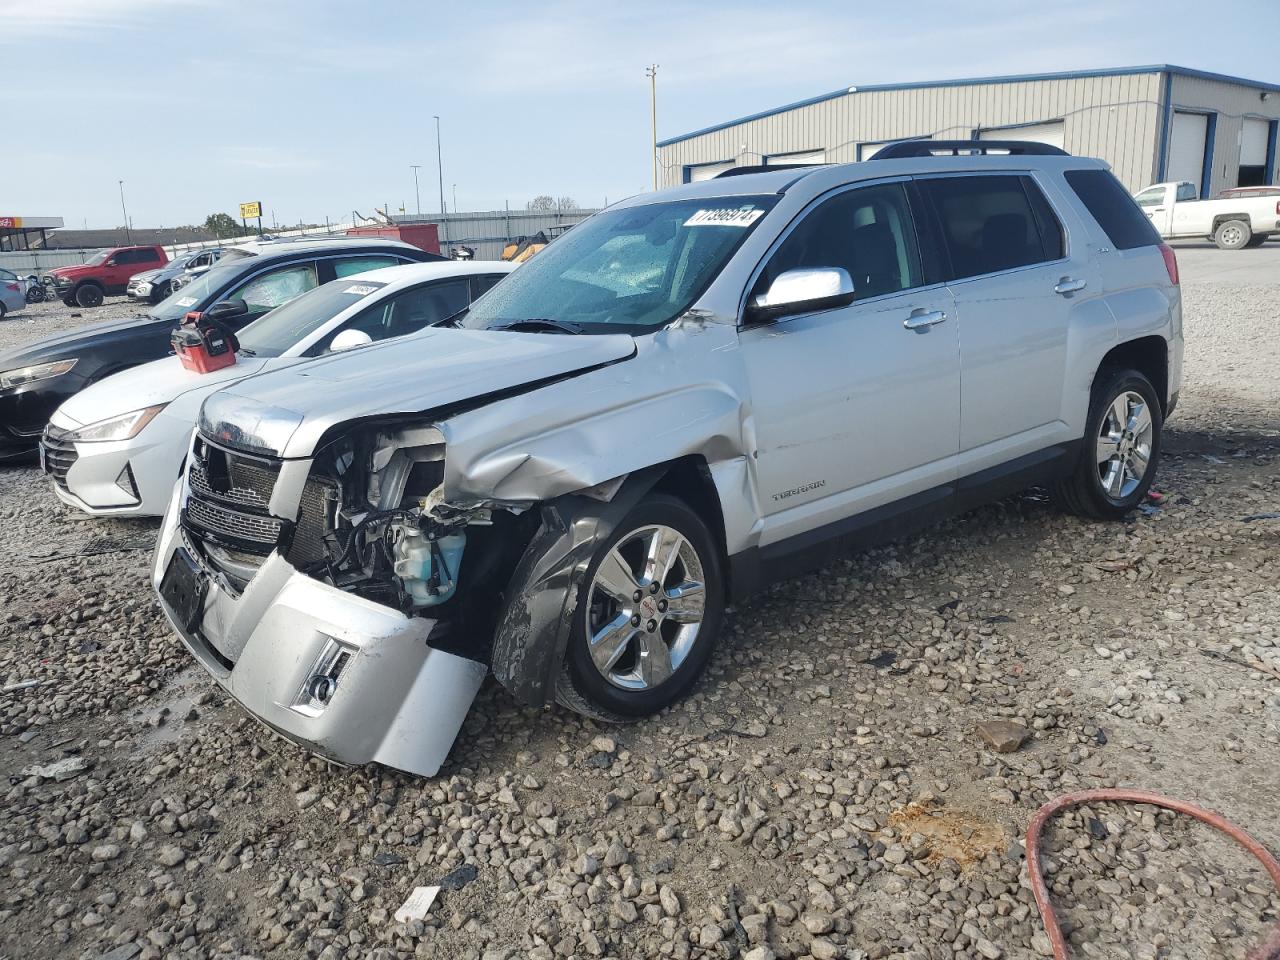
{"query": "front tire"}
{"type": "Point", "coordinates": [1232, 235]}
{"type": "Point", "coordinates": [1121, 448]}
{"type": "Point", "coordinates": [160, 292]}
{"type": "Point", "coordinates": [648, 615]}
{"type": "Point", "coordinates": [88, 295]}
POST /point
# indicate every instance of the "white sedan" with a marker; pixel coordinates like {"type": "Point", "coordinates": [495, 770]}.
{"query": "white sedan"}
{"type": "Point", "coordinates": [115, 448]}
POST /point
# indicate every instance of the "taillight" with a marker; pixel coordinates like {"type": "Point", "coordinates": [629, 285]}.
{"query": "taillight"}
{"type": "Point", "coordinates": [12, 286]}
{"type": "Point", "coordinates": [1170, 262]}
{"type": "Point", "coordinates": [1278, 208]}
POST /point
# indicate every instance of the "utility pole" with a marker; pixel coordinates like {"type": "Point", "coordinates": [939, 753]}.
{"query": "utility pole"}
{"type": "Point", "coordinates": [417, 196]}
{"type": "Point", "coordinates": [440, 173]}
{"type": "Point", "coordinates": [652, 73]}
{"type": "Point", "coordinates": [127, 232]}
{"type": "Point", "coordinates": [455, 198]}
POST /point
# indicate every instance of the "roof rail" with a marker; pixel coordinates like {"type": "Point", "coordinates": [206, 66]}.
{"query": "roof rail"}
{"type": "Point", "coordinates": [904, 149]}
{"type": "Point", "coordinates": [762, 168]}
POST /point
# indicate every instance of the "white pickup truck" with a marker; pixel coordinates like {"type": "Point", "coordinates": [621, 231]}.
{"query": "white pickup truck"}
{"type": "Point", "coordinates": [1232, 223]}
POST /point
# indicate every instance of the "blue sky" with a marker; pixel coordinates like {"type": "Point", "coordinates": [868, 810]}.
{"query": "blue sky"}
{"type": "Point", "coordinates": [319, 107]}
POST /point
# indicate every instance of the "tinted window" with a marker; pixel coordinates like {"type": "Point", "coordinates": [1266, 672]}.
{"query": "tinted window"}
{"type": "Point", "coordinates": [408, 311]}
{"type": "Point", "coordinates": [1047, 223]}
{"type": "Point", "coordinates": [1110, 204]}
{"type": "Point", "coordinates": [270, 290]}
{"type": "Point", "coordinates": [483, 282]}
{"type": "Point", "coordinates": [867, 231]}
{"type": "Point", "coordinates": [989, 224]}
{"type": "Point", "coordinates": [148, 256]}
{"type": "Point", "coordinates": [347, 267]}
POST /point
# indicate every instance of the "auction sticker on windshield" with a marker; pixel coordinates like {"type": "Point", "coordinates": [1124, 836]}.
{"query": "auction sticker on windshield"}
{"type": "Point", "coordinates": [186, 301]}
{"type": "Point", "coordinates": [360, 289]}
{"type": "Point", "coordinates": [727, 217]}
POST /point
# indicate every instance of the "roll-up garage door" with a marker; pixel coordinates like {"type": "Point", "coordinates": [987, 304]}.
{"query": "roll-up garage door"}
{"type": "Point", "coordinates": [1052, 133]}
{"type": "Point", "coordinates": [705, 171]}
{"type": "Point", "coordinates": [1254, 135]}
{"type": "Point", "coordinates": [1186, 148]}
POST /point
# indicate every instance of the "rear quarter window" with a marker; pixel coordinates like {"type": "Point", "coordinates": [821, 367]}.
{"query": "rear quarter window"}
{"type": "Point", "coordinates": [1120, 218]}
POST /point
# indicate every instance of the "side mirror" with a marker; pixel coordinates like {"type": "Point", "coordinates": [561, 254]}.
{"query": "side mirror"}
{"type": "Point", "coordinates": [225, 310]}
{"type": "Point", "coordinates": [111, 262]}
{"type": "Point", "coordinates": [802, 291]}
{"type": "Point", "coordinates": [348, 339]}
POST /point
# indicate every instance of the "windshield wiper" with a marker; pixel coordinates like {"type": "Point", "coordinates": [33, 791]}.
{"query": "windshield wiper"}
{"type": "Point", "coordinates": [247, 352]}
{"type": "Point", "coordinates": [534, 324]}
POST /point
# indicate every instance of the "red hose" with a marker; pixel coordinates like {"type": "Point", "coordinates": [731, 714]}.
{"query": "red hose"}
{"type": "Point", "coordinates": [1267, 951]}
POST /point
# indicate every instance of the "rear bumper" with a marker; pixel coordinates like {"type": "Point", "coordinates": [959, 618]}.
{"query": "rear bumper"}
{"type": "Point", "coordinates": [395, 699]}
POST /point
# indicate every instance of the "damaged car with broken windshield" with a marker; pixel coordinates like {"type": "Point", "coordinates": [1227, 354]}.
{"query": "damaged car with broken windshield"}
{"type": "Point", "coordinates": [686, 396]}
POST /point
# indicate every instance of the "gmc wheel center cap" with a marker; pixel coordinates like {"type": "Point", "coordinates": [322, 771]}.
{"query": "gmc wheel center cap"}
{"type": "Point", "coordinates": [649, 607]}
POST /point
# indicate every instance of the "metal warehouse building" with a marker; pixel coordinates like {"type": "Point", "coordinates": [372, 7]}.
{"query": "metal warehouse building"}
{"type": "Point", "coordinates": [1152, 124]}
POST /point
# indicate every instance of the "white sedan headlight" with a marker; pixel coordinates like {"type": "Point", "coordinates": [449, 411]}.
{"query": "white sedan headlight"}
{"type": "Point", "coordinates": [124, 427]}
{"type": "Point", "coordinates": [37, 371]}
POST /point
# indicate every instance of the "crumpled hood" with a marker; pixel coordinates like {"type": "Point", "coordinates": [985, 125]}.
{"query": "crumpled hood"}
{"type": "Point", "coordinates": [161, 381]}
{"type": "Point", "coordinates": [286, 412]}
{"type": "Point", "coordinates": [74, 343]}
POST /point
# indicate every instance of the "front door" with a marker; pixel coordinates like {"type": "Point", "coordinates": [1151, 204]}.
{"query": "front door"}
{"type": "Point", "coordinates": [856, 406]}
{"type": "Point", "coordinates": [1157, 203]}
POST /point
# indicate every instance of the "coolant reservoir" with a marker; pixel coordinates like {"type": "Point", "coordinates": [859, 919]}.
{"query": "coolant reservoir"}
{"type": "Point", "coordinates": [416, 562]}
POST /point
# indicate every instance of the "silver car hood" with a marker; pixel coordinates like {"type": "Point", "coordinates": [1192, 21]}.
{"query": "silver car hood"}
{"type": "Point", "coordinates": [286, 413]}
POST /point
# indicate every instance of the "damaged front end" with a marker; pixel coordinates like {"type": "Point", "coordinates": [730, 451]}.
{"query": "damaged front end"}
{"type": "Point", "coordinates": [342, 599]}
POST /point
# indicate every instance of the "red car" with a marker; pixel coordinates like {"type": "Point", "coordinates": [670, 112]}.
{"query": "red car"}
{"type": "Point", "coordinates": [105, 273]}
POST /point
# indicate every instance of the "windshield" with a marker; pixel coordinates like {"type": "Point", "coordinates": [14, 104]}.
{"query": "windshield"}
{"type": "Point", "coordinates": [624, 271]}
{"type": "Point", "coordinates": [274, 333]}
{"type": "Point", "coordinates": [176, 305]}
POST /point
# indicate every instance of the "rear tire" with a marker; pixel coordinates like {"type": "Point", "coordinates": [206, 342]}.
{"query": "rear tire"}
{"type": "Point", "coordinates": [629, 658]}
{"type": "Point", "coordinates": [1232, 235]}
{"type": "Point", "coordinates": [1121, 448]}
{"type": "Point", "coordinates": [88, 295]}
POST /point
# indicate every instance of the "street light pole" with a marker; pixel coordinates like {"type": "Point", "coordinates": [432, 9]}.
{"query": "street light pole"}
{"type": "Point", "coordinates": [652, 73]}
{"type": "Point", "coordinates": [440, 172]}
{"type": "Point", "coordinates": [417, 196]}
{"type": "Point", "coordinates": [124, 210]}
{"type": "Point", "coordinates": [455, 198]}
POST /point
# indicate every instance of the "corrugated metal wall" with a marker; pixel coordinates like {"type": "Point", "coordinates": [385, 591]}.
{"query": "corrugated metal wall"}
{"type": "Point", "coordinates": [1113, 117]}
{"type": "Point", "coordinates": [487, 232]}
{"type": "Point", "coordinates": [1231, 102]}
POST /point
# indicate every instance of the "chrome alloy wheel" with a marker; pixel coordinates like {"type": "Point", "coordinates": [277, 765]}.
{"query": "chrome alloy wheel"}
{"type": "Point", "coordinates": [647, 603]}
{"type": "Point", "coordinates": [1124, 445]}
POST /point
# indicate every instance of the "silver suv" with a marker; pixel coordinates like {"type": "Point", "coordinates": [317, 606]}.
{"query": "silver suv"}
{"type": "Point", "coordinates": [685, 397]}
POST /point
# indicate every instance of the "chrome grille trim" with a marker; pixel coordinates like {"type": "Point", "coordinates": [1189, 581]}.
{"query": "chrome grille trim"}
{"type": "Point", "coordinates": [59, 453]}
{"type": "Point", "coordinates": [245, 527]}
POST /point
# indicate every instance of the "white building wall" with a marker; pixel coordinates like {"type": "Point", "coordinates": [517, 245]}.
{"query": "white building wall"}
{"type": "Point", "coordinates": [1115, 117]}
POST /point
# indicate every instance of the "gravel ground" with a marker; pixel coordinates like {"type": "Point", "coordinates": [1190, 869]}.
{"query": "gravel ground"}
{"type": "Point", "coordinates": [825, 793]}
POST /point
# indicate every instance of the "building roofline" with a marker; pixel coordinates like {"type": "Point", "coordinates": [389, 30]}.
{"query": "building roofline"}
{"type": "Point", "coordinates": [972, 81]}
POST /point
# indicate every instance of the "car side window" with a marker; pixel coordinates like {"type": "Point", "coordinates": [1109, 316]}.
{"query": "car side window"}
{"type": "Point", "coordinates": [350, 265]}
{"type": "Point", "coordinates": [868, 231]}
{"type": "Point", "coordinates": [6, 275]}
{"type": "Point", "coordinates": [989, 224]}
{"type": "Point", "coordinates": [409, 310]}
{"type": "Point", "coordinates": [1187, 191]}
{"type": "Point", "coordinates": [1152, 197]}
{"type": "Point", "coordinates": [148, 256]}
{"type": "Point", "coordinates": [269, 290]}
{"type": "Point", "coordinates": [483, 283]}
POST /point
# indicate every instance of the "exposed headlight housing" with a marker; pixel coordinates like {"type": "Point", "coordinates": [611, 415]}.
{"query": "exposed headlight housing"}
{"type": "Point", "coordinates": [37, 371]}
{"type": "Point", "coordinates": [124, 427]}
{"type": "Point", "coordinates": [244, 424]}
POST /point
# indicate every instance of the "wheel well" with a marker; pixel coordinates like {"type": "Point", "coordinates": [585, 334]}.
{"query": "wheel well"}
{"type": "Point", "coordinates": [1149, 356]}
{"type": "Point", "coordinates": [689, 479]}
{"type": "Point", "coordinates": [1222, 218]}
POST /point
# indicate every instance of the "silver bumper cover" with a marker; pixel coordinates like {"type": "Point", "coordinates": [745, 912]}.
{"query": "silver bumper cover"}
{"type": "Point", "coordinates": [395, 700]}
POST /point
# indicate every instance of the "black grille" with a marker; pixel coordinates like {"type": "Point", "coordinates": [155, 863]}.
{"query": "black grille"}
{"type": "Point", "coordinates": [315, 519]}
{"type": "Point", "coordinates": [59, 453]}
{"type": "Point", "coordinates": [248, 485]}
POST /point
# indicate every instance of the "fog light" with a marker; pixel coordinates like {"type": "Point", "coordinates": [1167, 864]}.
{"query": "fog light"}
{"type": "Point", "coordinates": [322, 684]}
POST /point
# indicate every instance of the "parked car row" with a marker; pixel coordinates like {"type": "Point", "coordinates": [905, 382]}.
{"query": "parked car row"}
{"type": "Point", "coordinates": [152, 286]}
{"type": "Point", "coordinates": [407, 481]}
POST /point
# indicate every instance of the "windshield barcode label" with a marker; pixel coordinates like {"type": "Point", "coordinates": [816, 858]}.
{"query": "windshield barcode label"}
{"type": "Point", "coordinates": [731, 217]}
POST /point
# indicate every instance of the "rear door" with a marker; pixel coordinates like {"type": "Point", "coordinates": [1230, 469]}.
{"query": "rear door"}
{"type": "Point", "coordinates": [853, 409]}
{"type": "Point", "coordinates": [1015, 279]}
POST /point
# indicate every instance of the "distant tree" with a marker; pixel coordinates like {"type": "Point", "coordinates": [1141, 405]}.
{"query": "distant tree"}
{"type": "Point", "coordinates": [541, 202]}
{"type": "Point", "coordinates": [221, 225]}
{"type": "Point", "coordinates": [566, 203]}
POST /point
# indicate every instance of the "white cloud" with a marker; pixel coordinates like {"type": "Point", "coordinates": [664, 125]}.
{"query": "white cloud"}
{"type": "Point", "coordinates": [25, 18]}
